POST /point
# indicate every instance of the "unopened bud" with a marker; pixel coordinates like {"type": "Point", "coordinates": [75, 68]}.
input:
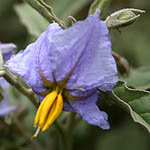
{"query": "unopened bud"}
{"type": "Point", "coordinates": [122, 64]}
{"type": "Point", "coordinates": [123, 17]}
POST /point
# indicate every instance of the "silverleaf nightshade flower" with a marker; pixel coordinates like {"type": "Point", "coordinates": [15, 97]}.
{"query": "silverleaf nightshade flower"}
{"type": "Point", "coordinates": [5, 108]}
{"type": "Point", "coordinates": [61, 62]}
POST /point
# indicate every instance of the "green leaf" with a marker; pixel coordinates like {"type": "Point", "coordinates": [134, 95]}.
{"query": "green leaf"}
{"type": "Point", "coordinates": [139, 78]}
{"type": "Point", "coordinates": [136, 102]}
{"type": "Point", "coordinates": [34, 22]}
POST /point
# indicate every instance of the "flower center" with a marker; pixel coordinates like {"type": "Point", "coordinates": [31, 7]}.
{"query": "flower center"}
{"type": "Point", "coordinates": [49, 109]}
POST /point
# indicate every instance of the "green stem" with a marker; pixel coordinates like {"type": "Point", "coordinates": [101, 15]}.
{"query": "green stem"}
{"type": "Point", "coordinates": [54, 17]}
{"type": "Point", "coordinates": [66, 143]}
{"type": "Point", "coordinates": [65, 138]}
{"type": "Point", "coordinates": [13, 80]}
{"type": "Point", "coordinates": [46, 11]}
{"type": "Point", "coordinates": [66, 132]}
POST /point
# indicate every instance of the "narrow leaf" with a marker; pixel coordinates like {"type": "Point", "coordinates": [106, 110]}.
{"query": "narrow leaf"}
{"type": "Point", "coordinates": [34, 22]}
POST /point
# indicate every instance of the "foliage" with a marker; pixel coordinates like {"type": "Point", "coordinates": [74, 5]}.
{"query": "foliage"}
{"type": "Point", "coordinates": [130, 94]}
{"type": "Point", "coordinates": [34, 22]}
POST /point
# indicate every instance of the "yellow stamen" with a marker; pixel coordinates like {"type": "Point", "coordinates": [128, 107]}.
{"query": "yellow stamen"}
{"type": "Point", "coordinates": [48, 101]}
{"type": "Point", "coordinates": [37, 117]}
{"type": "Point", "coordinates": [38, 114]}
{"type": "Point", "coordinates": [49, 110]}
{"type": "Point", "coordinates": [50, 113]}
{"type": "Point", "coordinates": [55, 112]}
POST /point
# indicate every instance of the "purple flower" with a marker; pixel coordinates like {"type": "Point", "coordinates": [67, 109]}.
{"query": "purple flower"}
{"type": "Point", "coordinates": [4, 106]}
{"type": "Point", "coordinates": [65, 68]}
{"type": "Point", "coordinates": [7, 49]}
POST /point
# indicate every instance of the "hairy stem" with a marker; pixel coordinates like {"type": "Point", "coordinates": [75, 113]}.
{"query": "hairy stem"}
{"type": "Point", "coordinates": [46, 11]}
{"type": "Point", "coordinates": [66, 131]}
{"type": "Point", "coordinates": [65, 143]}
{"type": "Point", "coordinates": [13, 80]}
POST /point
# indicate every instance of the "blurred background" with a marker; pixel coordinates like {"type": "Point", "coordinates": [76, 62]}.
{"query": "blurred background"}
{"type": "Point", "coordinates": [132, 42]}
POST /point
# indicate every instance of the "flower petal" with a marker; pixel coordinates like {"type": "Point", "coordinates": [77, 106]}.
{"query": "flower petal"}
{"type": "Point", "coordinates": [46, 52]}
{"type": "Point", "coordinates": [89, 111]}
{"type": "Point", "coordinates": [27, 63]}
{"type": "Point", "coordinates": [85, 49]}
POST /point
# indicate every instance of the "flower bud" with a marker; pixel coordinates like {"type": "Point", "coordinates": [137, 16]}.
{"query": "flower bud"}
{"type": "Point", "coordinates": [123, 17]}
{"type": "Point", "coordinates": [122, 64]}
